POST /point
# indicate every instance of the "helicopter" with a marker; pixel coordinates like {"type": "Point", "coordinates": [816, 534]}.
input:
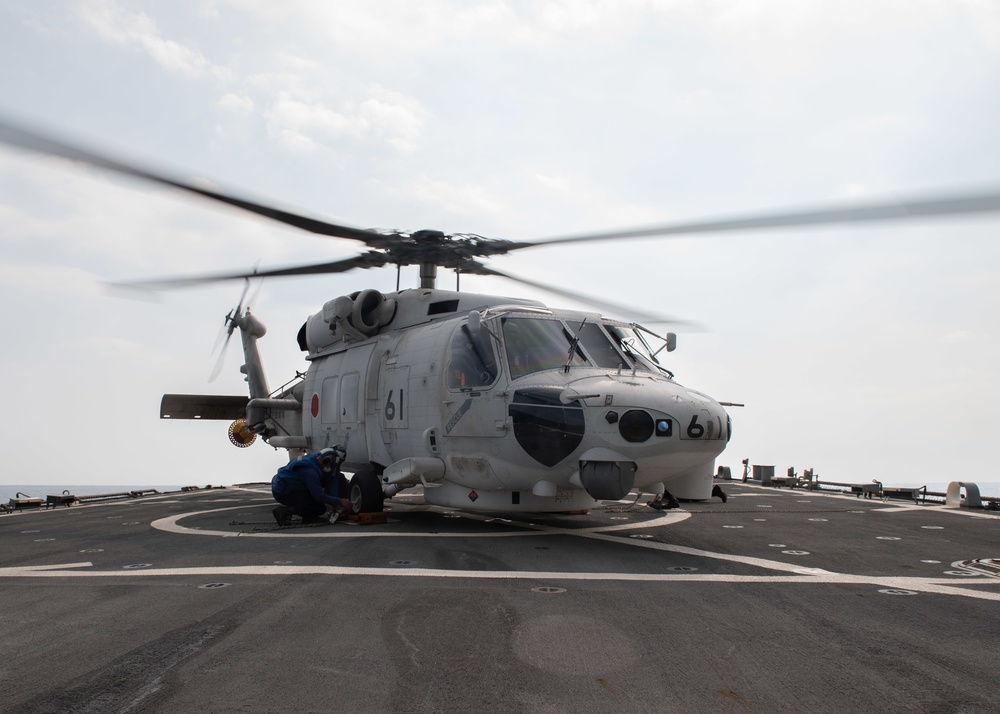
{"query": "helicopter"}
{"type": "Point", "coordinates": [489, 403]}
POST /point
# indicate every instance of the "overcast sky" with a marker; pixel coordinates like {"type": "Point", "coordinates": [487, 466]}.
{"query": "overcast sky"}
{"type": "Point", "coordinates": [863, 352]}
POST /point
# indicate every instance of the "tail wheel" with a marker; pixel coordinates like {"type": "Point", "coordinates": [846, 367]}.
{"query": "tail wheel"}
{"type": "Point", "coordinates": [366, 492]}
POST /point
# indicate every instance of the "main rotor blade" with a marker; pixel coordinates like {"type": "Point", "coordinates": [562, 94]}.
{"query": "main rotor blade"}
{"type": "Point", "coordinates": [626, 311]}
{"type": "Point", "coordinates": [39, 143]}
{"type": "Point", "coordinates": [371, 259]}
{"type": "Point", "coordinates": [904, 209]}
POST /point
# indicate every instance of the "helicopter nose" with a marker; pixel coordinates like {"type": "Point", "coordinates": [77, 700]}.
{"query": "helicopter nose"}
{"type": "Point", "coordinates": [640, 414]}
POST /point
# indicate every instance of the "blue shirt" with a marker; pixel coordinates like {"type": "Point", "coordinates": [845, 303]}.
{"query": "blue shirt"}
{"type": "Point", "coordinates": [304, 472]}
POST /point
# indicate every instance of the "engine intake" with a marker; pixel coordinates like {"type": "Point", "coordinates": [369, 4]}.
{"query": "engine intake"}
{"type": "Point", "coordinates": [349, 317]}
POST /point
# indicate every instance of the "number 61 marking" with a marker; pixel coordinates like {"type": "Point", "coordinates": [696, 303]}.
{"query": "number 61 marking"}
{"type": "Point", "coordinates": [390, 406]}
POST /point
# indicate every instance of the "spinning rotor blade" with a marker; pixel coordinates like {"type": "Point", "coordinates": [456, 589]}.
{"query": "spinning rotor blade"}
{"type": "Point", "coordinates": [904, 209]}
{"type": "Point", "coordinates": [229, 326]}
{"type": "Point", "coordinates": [371, 259]}
{"type": "Point", "coordinates": [221, 339]}
{"type": "Point", "coordinates": [626, 311]}
{"type": "Point", "coordinates": [430, 249]}
{"type": "Point", "coordinates": [39, 143]}
{"type": "Point", "coordinates": [256, 295]}
{"type": "Point", "coordinates": [221, 359]}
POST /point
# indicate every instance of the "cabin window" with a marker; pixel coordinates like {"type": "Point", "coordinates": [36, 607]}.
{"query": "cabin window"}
{"type": "Point", "coordinates": [328, 403]}
{"type": "Point", "coordinates": [349, 398]}
{"type": "Point", "coordinates": [472, 363]}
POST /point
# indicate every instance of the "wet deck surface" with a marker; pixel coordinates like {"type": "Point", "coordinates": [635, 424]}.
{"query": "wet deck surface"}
{"type": "Point", "coordinates": [778, 600]}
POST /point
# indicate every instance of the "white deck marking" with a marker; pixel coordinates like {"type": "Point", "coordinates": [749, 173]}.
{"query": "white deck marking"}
{"type": "Point", "coordinates": [937, 586]}
{"type": "Point", "coordinates": [170, 524]}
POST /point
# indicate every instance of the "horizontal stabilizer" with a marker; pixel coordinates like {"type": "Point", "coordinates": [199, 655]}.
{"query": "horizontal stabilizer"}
{"type": "Point", "coordinates": [203, 406]}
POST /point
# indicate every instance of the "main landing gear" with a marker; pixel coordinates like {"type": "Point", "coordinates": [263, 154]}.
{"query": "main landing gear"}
{"type": "Point", "coordinates": [366, 492]}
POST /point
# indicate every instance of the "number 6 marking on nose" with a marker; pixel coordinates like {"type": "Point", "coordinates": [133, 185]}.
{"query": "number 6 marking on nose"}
{"type": "Point", "coordinates": [695, 430]}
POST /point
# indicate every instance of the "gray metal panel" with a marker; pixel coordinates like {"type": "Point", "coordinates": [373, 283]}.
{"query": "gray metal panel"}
{"type": "Point", "coordinates": [202, 406]}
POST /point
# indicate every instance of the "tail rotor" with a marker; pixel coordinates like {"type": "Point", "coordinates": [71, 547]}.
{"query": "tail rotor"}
{"type": "Point", "coordinates": [229, 325]}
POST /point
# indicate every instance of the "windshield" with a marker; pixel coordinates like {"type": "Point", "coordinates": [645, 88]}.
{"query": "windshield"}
{"type": "Point", "coordinates": [636, 348]}
{"type": "Point", "coordinates": [534, 344]}
{"type": "Point", "coordinates": [602, 352]}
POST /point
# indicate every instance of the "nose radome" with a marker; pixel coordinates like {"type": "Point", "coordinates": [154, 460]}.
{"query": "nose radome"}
{"type": "Point", "coordinates": [646, 406]}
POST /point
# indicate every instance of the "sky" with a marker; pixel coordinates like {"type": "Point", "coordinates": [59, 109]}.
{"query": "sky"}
{"type": "Point", "coordinates": [860, 351]}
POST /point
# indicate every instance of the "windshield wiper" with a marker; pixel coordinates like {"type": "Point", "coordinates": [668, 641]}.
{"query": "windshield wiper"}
{"type": "Point", "coordinates": [574, 346]}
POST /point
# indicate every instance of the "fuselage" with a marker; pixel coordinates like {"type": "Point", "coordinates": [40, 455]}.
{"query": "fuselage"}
{"type": "Point", "coordinates": [519, 407]}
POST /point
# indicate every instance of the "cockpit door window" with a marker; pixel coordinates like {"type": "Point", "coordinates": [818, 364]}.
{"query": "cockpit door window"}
{"type": "Point", "coordinates": [472, 363]}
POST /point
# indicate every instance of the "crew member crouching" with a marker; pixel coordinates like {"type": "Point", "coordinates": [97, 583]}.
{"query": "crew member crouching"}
{"type": "Point", "coordinates": [302, 486]}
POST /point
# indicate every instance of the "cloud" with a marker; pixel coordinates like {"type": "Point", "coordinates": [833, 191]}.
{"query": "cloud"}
{"type": "Point", "coordinates": [235, 117]}
{"type": "Point", "coordinates": [985, 20]}
{"type": "Point", "coordinates": [236, 103]}
{"type": "Point", "coordinates": [117, 228]}
{"type": "Point", "coordinates": [48, 278]}
{"type": "Point", "coordinates": [393, 116]}
{"type": "Point", "coordinates": [595, 205]}
{"type": "Point", "coordinates": [960, 337]}
{"type": "Point", "coordinates": [526, 120]}
{"type": "Point", "coordinates": [135, 29]}
{"type": "Point", "coordinates": [384, 116]}
{"type": "Point", "coordinates": [463, 199]}
{"type": "Point", "coordinates": [398, 24]}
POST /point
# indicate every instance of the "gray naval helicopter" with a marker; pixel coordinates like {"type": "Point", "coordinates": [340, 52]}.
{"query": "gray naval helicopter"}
{"type": "Point", "coordinates": [489, 403]}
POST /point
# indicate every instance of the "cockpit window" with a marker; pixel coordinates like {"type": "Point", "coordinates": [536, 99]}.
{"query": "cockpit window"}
{"type": "Point", "coordinates": [598, 346]}
{"type": "Point", "coordinates": [534, 345]}
{"type": "Point", "coordinates": [472, 363]}
{"type": "Point", "coordinates": [631, 343]}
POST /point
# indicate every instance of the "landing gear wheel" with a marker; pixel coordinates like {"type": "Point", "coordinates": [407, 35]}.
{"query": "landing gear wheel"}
{"type": "Point", "coordinates": [366, 492]}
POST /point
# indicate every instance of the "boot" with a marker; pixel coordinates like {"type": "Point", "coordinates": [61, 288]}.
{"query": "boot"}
{"type": "Point", "coordinates": [283, 515]}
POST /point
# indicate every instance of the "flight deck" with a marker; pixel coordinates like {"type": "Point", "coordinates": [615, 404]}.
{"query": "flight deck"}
{"type": "Point", "coordinates": [777, 600]}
